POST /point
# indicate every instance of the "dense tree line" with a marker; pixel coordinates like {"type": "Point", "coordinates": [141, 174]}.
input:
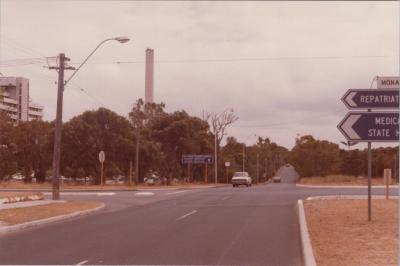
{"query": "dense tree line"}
{"type": "Point", "coordinates": [312, 157]}
{"type": "Point", "coordinates": [162, 139]}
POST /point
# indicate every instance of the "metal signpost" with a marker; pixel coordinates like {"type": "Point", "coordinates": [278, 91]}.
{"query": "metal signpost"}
{"type": "Point", "coordinates": [197, 159]}
{"type": "Point", "coordinates": [102, 158]}
{"type": "Point", "coordinates": [372, 126]}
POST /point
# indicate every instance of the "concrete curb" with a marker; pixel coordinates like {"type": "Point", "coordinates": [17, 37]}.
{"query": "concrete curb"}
{"type": "Point", "coordinates": [338, 197]}
{"type": "Point", "coordinates": [13, 199]}
{"type": "Point", "coordinates": [306, 247]}
{"type": "Point", "coordinates": [16, 227]}
{"type": "Point", "coordinates": [344, 186]}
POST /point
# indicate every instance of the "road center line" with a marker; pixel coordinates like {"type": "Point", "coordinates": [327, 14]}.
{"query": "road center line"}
{"type": "Point", "coordinates": [186, 215]}
{"type": "Point", "coordinates": [176, 192]}
{"type": "Point", "coordinates": [82, 262]}
{"type": "Point", "coordinates": [144, 194]}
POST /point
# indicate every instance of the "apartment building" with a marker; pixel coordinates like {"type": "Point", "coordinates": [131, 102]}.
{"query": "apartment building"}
{"type": "Point", "coordinates": [15, 100]}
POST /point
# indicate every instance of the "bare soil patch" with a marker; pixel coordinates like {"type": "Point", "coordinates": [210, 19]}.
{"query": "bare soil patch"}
{"type": "Point", "coordinates": [27, 214]}
{"type": "Point", "coordinates": [340, 180]}
{"type": "Point", "coordinates": [341, 234]}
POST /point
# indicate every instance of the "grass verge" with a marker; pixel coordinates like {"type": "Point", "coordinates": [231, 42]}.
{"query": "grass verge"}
{"type": "Point", "coordinates": [339, 180]}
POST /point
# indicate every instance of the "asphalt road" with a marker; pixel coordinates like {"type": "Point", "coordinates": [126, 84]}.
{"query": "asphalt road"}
{"type": "Point", "coordinates": [213, 226]}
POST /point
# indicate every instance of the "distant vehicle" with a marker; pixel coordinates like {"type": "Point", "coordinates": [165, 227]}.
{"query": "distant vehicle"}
{"type": "Point", "coordinates": [241, 178]}
{"type": "Point", "coordinates": [276, 179]}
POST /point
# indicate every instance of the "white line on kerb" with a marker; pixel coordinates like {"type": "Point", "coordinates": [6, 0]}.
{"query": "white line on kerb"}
{"type": "Point", "coordinates": [186, 215]}
{"type": "Point", "coordinates": [82, 262]}
{"type": "Point", "coordinates": [176, 192]}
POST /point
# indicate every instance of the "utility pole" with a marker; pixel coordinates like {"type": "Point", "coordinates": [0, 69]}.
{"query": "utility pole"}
{"type": "Point", "coordinates": [137, 155]}
{"type": "Point", "coordinates": [215, 158]}
{"type": "Point", "coordinates": [258, 168]}
{"type": "Point", "coordinates": [58, 125]}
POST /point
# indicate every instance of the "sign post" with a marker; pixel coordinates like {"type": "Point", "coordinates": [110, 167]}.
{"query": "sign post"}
{"type": "Point", "coordinates": [387, 179]}
{"type": "Point", "coordinates": [373, 126]}
{"type": "Point", "coordinates": [102, 157]}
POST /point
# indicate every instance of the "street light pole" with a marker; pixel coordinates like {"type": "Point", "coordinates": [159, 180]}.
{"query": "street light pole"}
{"type": "Point", "coordinates": [58, 122]}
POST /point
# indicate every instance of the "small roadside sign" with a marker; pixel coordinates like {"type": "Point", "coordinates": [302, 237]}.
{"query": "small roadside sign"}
{"type": "Point", "coordinates": [227, 164]}
{"type": "Point", "coordinates": [102, 156]}
{"type": "Point", "coordinates": [370, 126]}
{"type": "Point", "coordinates": [388, 82]}
{"type": "Point", "coordinates": [371, 98]}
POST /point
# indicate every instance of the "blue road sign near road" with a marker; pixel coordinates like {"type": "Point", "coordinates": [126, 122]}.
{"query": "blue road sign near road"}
{"type": "Point", "coordinates": [371, 126]}
{"type": "Point", "coordinates": [371, 98]}
{"type": "Point", "coordinates": [200, 159]}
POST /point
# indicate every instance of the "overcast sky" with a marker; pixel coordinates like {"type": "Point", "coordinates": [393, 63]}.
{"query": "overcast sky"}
{"type": "Point", "coordinates": [282, 66]}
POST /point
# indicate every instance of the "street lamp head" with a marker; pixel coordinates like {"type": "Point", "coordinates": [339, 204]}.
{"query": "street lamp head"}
{"type": "Point", "coordinates": [122, 39]}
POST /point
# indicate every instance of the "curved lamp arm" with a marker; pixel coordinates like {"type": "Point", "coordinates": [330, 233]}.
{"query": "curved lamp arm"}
{"type": "Point", "coordinates": [119, 39]}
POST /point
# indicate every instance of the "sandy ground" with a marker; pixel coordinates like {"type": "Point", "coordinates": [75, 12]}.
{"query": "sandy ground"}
{"type": "Point", "coordinates": [27, 214]}
{"type": "Point", "coordinates": [341, 234]}
{"type": "Point", "coordinates": [339, 180]}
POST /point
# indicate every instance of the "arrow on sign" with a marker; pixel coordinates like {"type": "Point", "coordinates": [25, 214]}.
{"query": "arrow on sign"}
{"type": "Point", "coordinates": [371, 98]}
{"type": "Point", "coordinates": [370, 126]}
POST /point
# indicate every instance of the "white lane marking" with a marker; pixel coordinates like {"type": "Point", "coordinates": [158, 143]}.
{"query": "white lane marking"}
{"type": "Point", "coordinates": [144, 194]}
{"type": "Point", "coordinates": [84, 193]}
{"type": "Point", "coordinates": [226, 198]}
{"type": "Point", "coordinates": [82, 262]}
{"type": "Point", "coordinates": [186, 215]}
{"type": "Point", "coordinates": [176, 192]}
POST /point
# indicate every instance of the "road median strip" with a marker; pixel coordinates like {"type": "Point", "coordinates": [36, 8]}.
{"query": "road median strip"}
{"type": "Point", "coordinates": [12, 197]}
{"type": "Point", "coordinates": [19, 218]}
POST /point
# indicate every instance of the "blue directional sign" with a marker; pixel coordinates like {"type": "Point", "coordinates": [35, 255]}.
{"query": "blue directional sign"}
{"type": "Point", "coordinates": [371, 126]}
{"type": "Point", "coordinates": [371, 98]}
{"type": "Point", "coordinates": [197, 159]}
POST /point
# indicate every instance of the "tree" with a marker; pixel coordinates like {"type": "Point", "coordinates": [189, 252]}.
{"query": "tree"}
{"type": "Point", "coordinates": [313, 157]}
{"type": "Point", "coordinates": [8, 165]}
{"type": "Point", "coordinates": [178, 134]}
{"type": "Point", "coordinates": [218, 125]}
{"type": "Point", "coordinates": [140, 116]}
{"type": "Point", "coordinates": [84, 136]}
{"type": "Point", "coordinates": [33, 148]}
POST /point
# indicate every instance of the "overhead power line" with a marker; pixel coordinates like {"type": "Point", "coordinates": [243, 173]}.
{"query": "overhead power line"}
{"type": "Point", "coordinates": [227, 60]}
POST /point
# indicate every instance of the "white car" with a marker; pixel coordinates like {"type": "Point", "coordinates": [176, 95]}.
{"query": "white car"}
{"type": "Point", "coordinates": [241, 178]}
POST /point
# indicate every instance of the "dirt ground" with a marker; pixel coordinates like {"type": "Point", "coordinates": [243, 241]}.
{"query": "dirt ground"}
{"type": "Point", "coordinates": [27, 214]}
{"type": "Point", "coordinates": [339, 180]}
{"type": "Point", "coordinates": [341, 234]}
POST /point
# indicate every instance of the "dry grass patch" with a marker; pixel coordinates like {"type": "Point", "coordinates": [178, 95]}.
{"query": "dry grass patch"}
{"type": "Point", "coordinates": [341, 234]}
{"type": "Point", "coordinates": [27, 214]}
{"type": "Point", "coordinates": [339, 180]}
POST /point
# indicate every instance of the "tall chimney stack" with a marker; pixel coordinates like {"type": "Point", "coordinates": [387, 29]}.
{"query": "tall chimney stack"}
{"type": "Point", "coordinates": [148, 92]}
